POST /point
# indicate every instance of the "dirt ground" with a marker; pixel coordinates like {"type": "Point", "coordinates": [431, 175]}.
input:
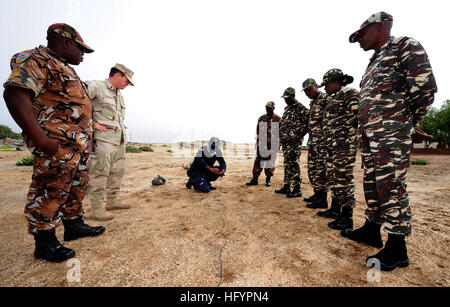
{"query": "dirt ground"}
{"type": "Point", "coordinates": [235, 236]}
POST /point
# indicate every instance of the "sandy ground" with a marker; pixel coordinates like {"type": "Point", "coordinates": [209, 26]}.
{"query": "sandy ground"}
{"type": "Point", "coordinates": [235, 236]}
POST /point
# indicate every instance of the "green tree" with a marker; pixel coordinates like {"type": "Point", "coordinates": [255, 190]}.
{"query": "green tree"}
{"type": "Point", "coordinates": [429, 126]}
{"type": "Point", "coordinates": [443, 125]}
{"type": "Point", "coordinates": [5, 131]}
{"type": "Point", "coordinates": [437, 123]}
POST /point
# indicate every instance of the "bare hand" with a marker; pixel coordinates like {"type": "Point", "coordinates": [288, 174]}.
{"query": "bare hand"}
{"type": "Point", "coordinates": [213, 170]}
{"type": "Point", "coordinates": [48, 146]}
{"type": "Point", "coordinates": [100, 127]}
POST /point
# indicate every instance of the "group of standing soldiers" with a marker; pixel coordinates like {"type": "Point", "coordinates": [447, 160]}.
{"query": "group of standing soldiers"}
{"type": "Point", "coordinates": [397, 89]}
{"type": "Point", "coordinates": [54, 108]}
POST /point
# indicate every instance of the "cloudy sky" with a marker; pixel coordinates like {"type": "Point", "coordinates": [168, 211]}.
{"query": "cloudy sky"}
{"type": "Point", "coordinates": [206, 67]}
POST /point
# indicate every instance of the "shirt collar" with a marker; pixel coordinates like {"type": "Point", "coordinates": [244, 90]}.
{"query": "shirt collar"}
{"type": "Point", "coordinates": [53, 54]}
{"type": "Point", "coordinates": [109, 85]}
{"type": "Point", "coordinates": [292, 105]}
{"type": "Point", "coordinates": [389, 41]}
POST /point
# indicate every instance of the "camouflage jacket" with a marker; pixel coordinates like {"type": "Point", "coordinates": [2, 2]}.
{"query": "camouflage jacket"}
{"type": "Point", "coordinates": [340, 118]}
{"type": "Point", "coordinates": [396, 90]}
{"type": "Point", "coordinates": [294, 124]}
{"type": "Point", "coordinates": [60, 102]}
{"type": "Point", "coordinates": [109, 110]}
{"type": "Point", "coordinates": [315, 118]}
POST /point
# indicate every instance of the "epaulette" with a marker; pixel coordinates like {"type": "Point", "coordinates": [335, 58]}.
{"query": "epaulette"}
{"type": "Point", "coordinates": [349, 89]}
{"type": "Point", "coordinates": [400, 40]}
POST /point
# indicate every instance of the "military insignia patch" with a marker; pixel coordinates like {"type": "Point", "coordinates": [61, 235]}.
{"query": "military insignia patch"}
{"type": "Point", "coordinates": [22, 57]}
{"type": "Point", "coordinates": [14, 74]}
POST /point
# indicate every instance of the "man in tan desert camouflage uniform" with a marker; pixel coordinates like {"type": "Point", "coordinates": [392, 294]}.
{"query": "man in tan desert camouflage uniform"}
{"type": "Point", "coordinates": [108, 160]}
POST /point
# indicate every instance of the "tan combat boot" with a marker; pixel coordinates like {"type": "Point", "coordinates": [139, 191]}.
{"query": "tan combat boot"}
{"type": "Point", "coordinates": [97, 212]}
{"type": "Point", "coordinates": [112, 203]}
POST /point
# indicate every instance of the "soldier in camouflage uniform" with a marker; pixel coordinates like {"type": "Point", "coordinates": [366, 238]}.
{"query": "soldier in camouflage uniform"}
{"type": "Point", "coordinates": [266, 159]}
{"type": "Point", "coordinates": [316, 148]}
{"type": "Point", "coordinates": [396, 91]}
{"type": "Point", "coordinates": [108, 161]}
{"type": "Point", "coordinates": [49, 102]}
{"type": "Point", "coordinates": [293, 127]}
{"type": "Point", "coordinates": [340, 124]}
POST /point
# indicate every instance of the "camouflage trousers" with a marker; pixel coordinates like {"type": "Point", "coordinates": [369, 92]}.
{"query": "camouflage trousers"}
{"type": "Point", "coordinates": [291, 155]}
{"type": "Point", "coordinates": [317, 167]}
{"type": "Point", "coordinates": [385, 163]}
{"type": "Point", "coordinates": [108, 168]}
{"type": "Point", "coordinates": [340, 164]}
{"type": "Point", "coordinates": [261, 164]}
{"type": "Point", "coordinates": [57, 189]}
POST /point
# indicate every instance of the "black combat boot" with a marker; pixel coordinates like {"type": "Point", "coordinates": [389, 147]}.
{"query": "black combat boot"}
{"type": "Point", "coordinates": [49, 248]}
{"type": "Point", "coordinates": [393, 255]}
{"type": "Point", "coordinates": [369, 234]}
{"type": "Point", "coordinates": [75, 229]}
{"type": "Point", "coordinates": [295, 192]}
{"type": "Point", "coordinates": [268, 181]}
{"type": "Point", "coordinates": [344, 221]}
{"type": "Point", "coordinates": [333, 212]}
{"type": "Point", "coordinates": [286, 189]}
{"type": "Point", "coordinates": [320, 202]}
{"type": "Point", "coordinates": [311, 198]}
{"type": "Point", "coordinates": [254, 181]}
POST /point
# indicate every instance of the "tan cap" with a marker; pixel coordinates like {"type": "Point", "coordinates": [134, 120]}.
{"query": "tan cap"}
{"type": "Point", "coordinates": [128, 73]}
{"type": "Point", "coordinates": [270, 104]}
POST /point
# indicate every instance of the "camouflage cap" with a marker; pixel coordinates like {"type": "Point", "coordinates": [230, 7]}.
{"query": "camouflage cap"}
{"type": "Point", "coordinates": [289, 92]}
{"type": "Point", "coordinates": [270, 104]}
{"type": "Point", "coordinates": [336, 74]}
{"type": "Point", "coordinates": [308, 83]}
{"type": "Point", "coordinates": [374, 18]}
{"type": "Point", "coordinates": [64, 30]}
{"type": "Point", "coordinates": [127, 72]}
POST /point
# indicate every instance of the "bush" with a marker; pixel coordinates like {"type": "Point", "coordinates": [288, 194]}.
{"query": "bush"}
{"type": "Point", "coordinates": [420, 162]}
{"type": "Point", "coordinates": [186, 166]}
{"type": "Point", "coordinates": [169, 151]}
{"type": "Point", "coordinates": [130, 148]}
{"type": "Point", "coordinates": [8, 133]}
{"type": "Point", "coordinates": [146, 149]}
{"type": "Point", "coordinates": [27, 161]}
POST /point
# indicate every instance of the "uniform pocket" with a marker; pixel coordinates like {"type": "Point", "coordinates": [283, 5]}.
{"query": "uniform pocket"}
{"type": "Point", "coordinates": [74, 89]}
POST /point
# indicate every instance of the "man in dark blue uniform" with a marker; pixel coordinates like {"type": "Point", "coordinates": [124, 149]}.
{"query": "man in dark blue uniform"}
{"type": "Point", "coordinates": [203, 171]}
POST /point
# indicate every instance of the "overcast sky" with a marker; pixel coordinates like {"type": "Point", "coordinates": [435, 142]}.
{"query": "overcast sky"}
{"type": "Point", "coordinates": [206, 67]}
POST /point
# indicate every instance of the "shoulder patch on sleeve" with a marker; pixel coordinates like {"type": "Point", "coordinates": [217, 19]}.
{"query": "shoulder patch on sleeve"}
{"type": "Point", "coordinates": [22, 57]}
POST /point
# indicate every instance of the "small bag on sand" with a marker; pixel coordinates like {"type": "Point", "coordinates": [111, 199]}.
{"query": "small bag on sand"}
{"type": "Point", "coordinates": [158, 180]}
